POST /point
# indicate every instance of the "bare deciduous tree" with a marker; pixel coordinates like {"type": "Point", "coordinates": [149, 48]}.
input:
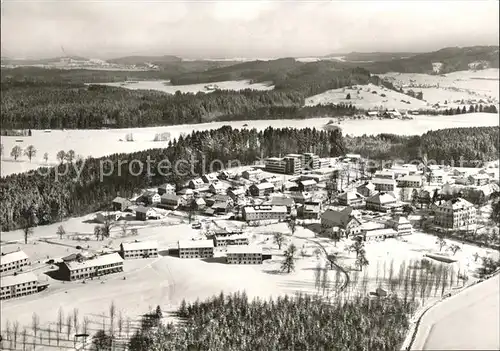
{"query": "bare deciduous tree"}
{"type": "Point", "coordinates": [35, 323]}
{"type": "Point", "coordinates": [128, 325]}
{"type": "Point", "coordinates": [112, 313]}
{"type": "Point", "coordinates": [85, 325]}
{"type": "Point", "coordinates": [15, 332]}
{"type": "Point", "coordinates": [69, 326]}
{"type": "Point", "coordinates": [61, 231]}
{"type": "Point", "coordinates": [24, 338]}
{"type": "Point", "coordinates": [49, 334]}
{"type": "Point", "coordinates": [76, 321]}
{"type": "Point", "coordinates": [60, 319]}
{"type": "Point", "coordinates": [120, 323]}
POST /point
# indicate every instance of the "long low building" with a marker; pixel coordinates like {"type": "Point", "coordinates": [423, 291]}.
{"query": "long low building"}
{"type": "Point", "coordinates": [139, 249]}
{"type": "Point", "coordinates": [245, 254]}
{"type": "Point", "coordinates": [380, 234]}
{"type": "Point", "coordinates": [264, 212]}
{"type": "Point", "coordinates": [18, 285]}
{"type": "Point", "coordinates": [235, 239]}
{"type": "Point", "coordinates": [196, 248]}
{"type": "Point", "coordinates": [13, 261]}
{"type": "Point", "coordinates": [101, 265]}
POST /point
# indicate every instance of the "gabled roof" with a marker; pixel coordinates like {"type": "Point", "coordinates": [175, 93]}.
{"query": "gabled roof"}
{"type": "Point", "coordinates": [243, 249]}
{"type": "Point", "coordinates": [198, 244]}
{"type": "Point", "coordinates": [98, 261]}
{"type": "Point", "coordinates": [197, 181]}
{"type": "Point", "coordinates": [13, 257]}
{"type": "Point", "coordinates": [351, 195]}
{"type": "Point", "coordinates": [221, 198]}
{"type": "Point", "coordinates": [167, 186]}
{"type": "Point", "coordinates": [281, 201]}
{"type": "Point", "coordinates": [338, 218]}
{"type": "Point", "coordinates": [11, 280]}
{"type": "Point", "coordinates": [200, 201]}
{"type": "Point", "coordinates": [170, 197]}
{"type": "Point", "coordinates": [263, 186]}
{"type": "Point", "coordinates": [142, 209]}
{"type": "Point", "coordinates": [139, 245]}
{"type": "Point", "coordinates": [217, 186]}
{"type": "Point", "coordinates": [400, 220]}
{"type": "Point", "coordinates": [381, 198]}
{"type": "Point", "coordinates": [307, 182]}
{"type": "Point", "coordinates": [368, 185]}
{"type": "Point", "coordinates": [238, 191]}
{"type": "Point", "coordinates": [120, 200]}
{"type": "Point", "coordinates": [410, 178]}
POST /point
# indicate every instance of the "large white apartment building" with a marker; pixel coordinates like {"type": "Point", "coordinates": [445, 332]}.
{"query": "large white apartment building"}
{"type": "Point", "coordinates": [196, 248]}
{"type": "Point", "coordinates": [101, 265]}
{"type": "Point", "coordinates": [13, 261]}
{"type": "Point", "coordinates": [235, 239]}
{"type": "Point", "coordinates": [384, 181]}
{"type": "Point", "coordinates": [264, 212]}
{"type": "Point", "coordinates": [455, 214]}
{"type": "Point", "coordinates": [139, 249]}
{"type": "Point", "coordinates": [18, 285]}
{"type": "Point", "coordinates": [245, 254]}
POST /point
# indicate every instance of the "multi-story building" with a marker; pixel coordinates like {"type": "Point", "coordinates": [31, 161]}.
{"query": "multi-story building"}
{"type": "Point", "coordinates": [275, 164]}
{"type": "Point", "coordinates": [139, 249]}
{"type": "Point", "coordinates": [101, 265]}
{"type": "Point", "coordinates": [438, 176]}
{"type": "Point", "coordinates": [311, 161]}
{"type": "Point", "coordinates": [13, 261]}
{"type": "Point", "coordinates": [209, 178]}
{"type": "Point", "coordinates": [196, 183]}
{"type": "Point", "coordinates": [367, 189]}
{"type": "Point", "coordinates": [456, 213]}
{"type": "Point", "coordinates": [401, 225]}
{"type": "Point", "coordinates": [166, 189]}
{"type": "Point", "coordinates": [170, 201]}
{"type": "Point", "coordinates": [244, 254]}
{"type": "Point", "coordinates": [381, 202]}
{"type": "Point", "coordinates": [351, 198]}
{"type": "Point", "coordinates": [344, 220]}
{"type": "Point", "coordinates": [309, 211]}
{"type": "Point", "coordinates": [18, 285]}
{"type": "Point", "coordinates": [384, 181]}
{"type": "Point", "coordinates": [293, 164]}
{"type": "Point", "coordinates": [234, 239]}
{"type": "Point", "coordinates": [196, 248]}
{"type": "Point", "coordinates": [236, 194]}
{"type": "Point", "coordinates": [307, 185]}
{"type": "Point", "coordinates": [379, 234]}
{"type": "Point", "coordinates": [479, 179]}
{"type": "Point", "coordinates": [264, 212]}
{"type": "Point", "coordinates": [261, 189]}
{"type": "Point", "coordinates": [217, 188]}
{"type": "Point", "coordinates": [252, 174]}
{"type": "Point", "coordinates": [409, 181]}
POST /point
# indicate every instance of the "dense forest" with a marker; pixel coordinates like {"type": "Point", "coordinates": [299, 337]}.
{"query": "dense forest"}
{"type": "Point", "coordinates": [54, 103]}
{"type": "Point", "coordinates": [233, 322]}
{"type": "Point", "coordinates": [448, 146]}
{"type": "Point", "coordinates": [47, 195]}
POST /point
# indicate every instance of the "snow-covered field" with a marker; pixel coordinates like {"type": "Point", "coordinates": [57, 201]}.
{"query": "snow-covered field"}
{"type": "Point", "coordinates": [366, 97]}
{"type": "Point", "coordinates": [98, 143]}
{"type": "Point", "coordinates": [165, 86]}
{"type": "Point", "coordinates": [467, 85]}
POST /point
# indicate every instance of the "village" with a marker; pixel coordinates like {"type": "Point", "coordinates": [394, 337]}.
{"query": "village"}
{"type": "Point", "coordinates": [337, 200]}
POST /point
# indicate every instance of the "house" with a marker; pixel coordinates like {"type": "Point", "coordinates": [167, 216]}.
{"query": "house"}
{"type": "Point", "coordinates": [300, 197]}
{"type": "Point", "coordinates": [409, 181]}
{"type": "Point", "coordinates": [392, 114]}
{"type": "Point", "coordinates": [479, 179]}
{"type": "Point", "coordinates": [209, 212]}
{"type": "Point", "coordinates": [196, 183]}
{"type": "Point", "coordinates": [144, 213]}
{"type": "Point", "coordinates": [384, 184]}
{"type": "Point", "coordinates": [166, 189]}
{"type": "Point", "coordinates": [170, 201]}
{"type": "Point", "coordinates": [225, 175]}
{"type": "Point", "coordinates": [236, 194]}
{"type": "Point", "coordinates": [139, 249]}
{"type": "Point", "coordinates": [221, 207]}
{"type": "Point", "coordinates": [351, 198]}
{"type": "Point", "coordinates": [367, 189]}
{"type": "Point", "coordinates": [186, 192]}
{"type": "Point", "coordinates": [307, 185]}
{"type": "Point", "coordinates": [401, 225]}
{"type": "Point", "coordinates": [13, 261]}
{"type": "Point", "coordinates": [261, 189]}
{"type": "Point", "coordinates": [263, 212]}
{"type": "Point", "coordinates": [200, 204]}
{"type": "Point", "coordinates": [121, 204]}
{"type": "Point", "coordinates": [379, 234]}
{"type": "Point", "coordinates": [438, 176]}
{"type": "Point", "coordinates": [252, 174]}
{"type": "Point", "coordinates": [18, 285]}
{"type": "Point", "coordinates": [209, 178]}
{"type": "Point", "coordinates": [290, 186]}
{"type": "Point", "coordinates": [381, 202]}
{"type": "Point", "coordinates": [281, 200]}
{"type": "Point", "coordinates": [196, 248]}
{"type": "Point", "coordinates": [219, 198]}
{"type": "Point", "coordinates": [309, 211]}
{"type": "Point", "coordinates": [234, 239]}
{"type": "Point", "coordinates": [455, 214]}
{"type": "Point", "coordinates": [151, 197]}
{"type": "Point", "coordinates": [101, 265]}
{"type": "Point", "coordinates": [247, 254]}
{"type": "Point", "coordinates": [217, 188]}
{"type": "Point", "coordinates": [344, 220]}
{"type": "Point", "coordinates": [277, 182]}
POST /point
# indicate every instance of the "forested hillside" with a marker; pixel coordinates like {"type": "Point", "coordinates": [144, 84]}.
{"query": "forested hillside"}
{"type": "Point", "coordinates": [50, 198]}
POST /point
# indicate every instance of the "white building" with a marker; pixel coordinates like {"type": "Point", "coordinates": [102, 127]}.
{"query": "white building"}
{"type": "Point", "coordinates": [235, 239]}
{"type": "Point", "coordinates": [455, 214]}
{"type": "Point", "coordinates": [244, 254]}
{"type": "Point", "coordinates": [18, 285]}
{"type": "Point", "coordinates": [380, 234]}
{"type": "Point", "coordinates": [101, 265]}
{"type": "Point", "coordinates": [13, 261]}
{"type": "Point", "coordinates": [401, 225]}
{"type": "Point", "coordinates": [264, 212]}
{"type": "Point", "coordinates": [139, 249]}
{"type": "Point", "coordinates": [196, 248]}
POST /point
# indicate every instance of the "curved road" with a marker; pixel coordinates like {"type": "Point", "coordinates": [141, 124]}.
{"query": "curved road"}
{"type": "Point", "coordinates": [469, 320]}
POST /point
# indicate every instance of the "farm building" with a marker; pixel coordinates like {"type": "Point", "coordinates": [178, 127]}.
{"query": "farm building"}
{"type": "Point", "coordinates": [170, 201]}
{"type": "Point", "coordinates": [263, 212]}
{"type": "Point", "coordinates": [139, 249]}
{"type": "Point", "coordinates": [244, 254]}
{"type": "Point", "coordinates": [261, 189]}
{"type": "Point", "coordinates": [13, 261]}
{"type": "Point", "coordinates": [196, 248]}
{"type": "Point", "coordinates": [351, 198]}
{"type": "Point", "coordinates": [234, 239]}
{"type": "Point", "coordinates": [166, 189]}
{"type": "Point", "coordinates": [18, 285]}
{"type": "Point", "coordinates": [144, 213]}
{"type": "Point", "coordinates": [121, 204]}
{"type": "Point", "coordinates": [151, 197]}
{"type": "Point", "coordinates": [343, 220]}
{"type": "Point", "coordinates": [101, 265]}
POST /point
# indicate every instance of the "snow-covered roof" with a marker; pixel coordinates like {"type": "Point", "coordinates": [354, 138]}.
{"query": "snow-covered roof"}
{"type": "Point", "coordinates": [307, 182]}
{"type": "Point", "coordinates": [383, 181]}
{"type": "Point", "coordinates": [383, 231]}
{"type": "Point", "coordinates": [195, 244]}
{"type": "Point", "coordinates": [139, 245]}
{"type": "Point", "coordinates": [17, 279]}
{"type": "Point", "coordinates": [13, 257]}
{"type": "Point", "coordinates": [96, 262]}
{"type": "Point", "coordinates": [231, 237]}
{"type": "Point", "coordinates": [264, 208]}
{"type": "Point", "coordinates": [381, 198]}
{"type": "Point", "coordinates": [351, 195]}
{"type": "Point", "coordinates": [410, 178]}
{"type": "Point", "coordinates": [243, 249]}
{"type": "Point", "coordinates": [263, 186]}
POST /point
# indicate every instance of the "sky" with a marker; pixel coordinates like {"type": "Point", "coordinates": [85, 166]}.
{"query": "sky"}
{"type": "Point", "coordinates": [258, 28]}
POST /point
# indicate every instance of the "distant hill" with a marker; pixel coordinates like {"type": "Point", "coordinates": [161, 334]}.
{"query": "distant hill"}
{"type": "Point", "coordinates": [44, 61]}
{"type": "Point", "coordinates": [145, 60]}
{"type": "Point", "coordinates": [372, 56]}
